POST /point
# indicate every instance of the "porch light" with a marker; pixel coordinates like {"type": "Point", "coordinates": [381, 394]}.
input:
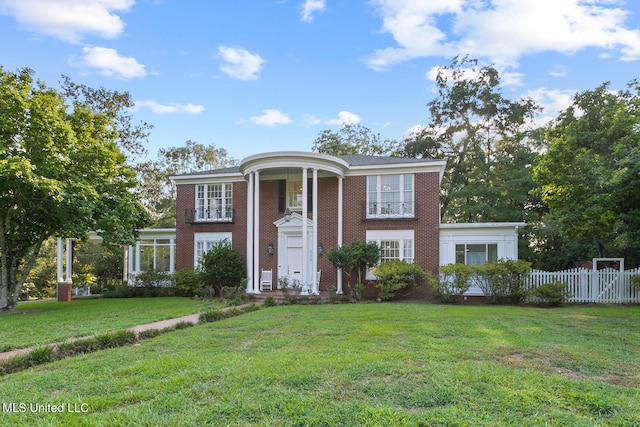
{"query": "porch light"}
{"type": "Point", "coordinates": [320, 249]}
{"type": "Point", "coordinates": [270, 248]}
{"type": "Point", "coordinates": [287, 214]}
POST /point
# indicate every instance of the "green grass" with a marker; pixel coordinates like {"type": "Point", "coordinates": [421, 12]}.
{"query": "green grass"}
{"type": "Point", "coordinates": [38, 323]}
{"type": "Point", "coordinates": [354, 365]}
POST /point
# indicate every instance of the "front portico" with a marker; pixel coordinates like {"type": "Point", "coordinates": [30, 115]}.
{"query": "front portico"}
{"type": "Point", "coordinates": [297, 242]}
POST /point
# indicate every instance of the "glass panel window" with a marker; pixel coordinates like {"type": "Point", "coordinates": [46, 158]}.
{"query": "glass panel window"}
{"type": "Point", "coordinates": [203, 242]}
{"type": "Point", "coordinates": [390, 196]}
{"type": "Point", "coordinates": [477, 253]}
{"type": "Point", "coordinates": [294, 194]}
{"type": "Point", "coordinates": [214, 202]}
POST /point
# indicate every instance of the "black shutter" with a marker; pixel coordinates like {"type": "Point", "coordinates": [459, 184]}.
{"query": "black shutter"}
{"type": "Point", "coordinates": [282, 195]}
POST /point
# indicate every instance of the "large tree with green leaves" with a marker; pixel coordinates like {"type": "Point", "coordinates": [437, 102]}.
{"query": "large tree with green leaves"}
{"type": "Point", "coordinates": [590, 173]}
{"type": "Point", "coordinates": [63, 171]}
{"type": "Point", "coordinates": [485, 139]}
{"type": "Point", "coordinates": [157, 190]}
{"type": "Point", "coordinates": [352, 138]}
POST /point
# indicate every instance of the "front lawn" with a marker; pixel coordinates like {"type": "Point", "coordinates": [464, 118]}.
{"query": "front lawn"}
{"type": "Point", "coordinates": [353, 365]}
{"type": "Point", "coordinates": [37, 323]}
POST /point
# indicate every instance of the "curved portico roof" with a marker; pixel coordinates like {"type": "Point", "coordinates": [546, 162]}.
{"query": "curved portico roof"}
{"type": "Point", "coordinates": [293, 159]}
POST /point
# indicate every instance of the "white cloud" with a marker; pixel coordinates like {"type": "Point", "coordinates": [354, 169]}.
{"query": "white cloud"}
{"type": "Point", "coordinates": [271, 118]}
{"type": "Point", "coordinates": [68, 20]}
{"type": "Point", "coordinates": [172, 108]}
{"type": "Point", "coordinates": [501, 30]}
{"type": "Point", "coordinates": [558, 71]}
{"type": "Point", "coordinates": [240, 64]}
{"type": "Point", "coordinates": [309, 7]}
{"type": "Point", "coordinates": [111, 64]}
{"type": "Point", "coordinates": [552, 102]}
{"type": "Point", "coordinates": [344, 117]}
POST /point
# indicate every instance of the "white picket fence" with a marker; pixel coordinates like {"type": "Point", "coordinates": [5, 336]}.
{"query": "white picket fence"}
{"type": "Point", "coordinates": [585, 285]}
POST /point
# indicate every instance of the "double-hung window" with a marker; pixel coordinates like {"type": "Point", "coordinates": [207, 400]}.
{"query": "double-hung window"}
{"type": "Point", "coordinates": [390, 196]}
{"type": "Point", "coordinates": [214, 202]}
{"type": "Point", "coordinates": [394, 244]}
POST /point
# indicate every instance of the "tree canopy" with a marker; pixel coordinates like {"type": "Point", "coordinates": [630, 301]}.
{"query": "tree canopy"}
{"type": "Point", "coordinates": [352, 138]}
{"type": "Point", "coordinates": [63, 171]}
{"type": "Point", "coordinates": [485, 139]}
{"type": "Point", "coordinates": [590, 173]}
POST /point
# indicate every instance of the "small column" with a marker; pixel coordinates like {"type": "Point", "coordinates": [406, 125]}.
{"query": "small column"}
{"type": "Point", "coordinates": [60, 254]}
{"type": "Point", "coordinates": [125, 265]}
{"type": "Point", "coordinates": [340, 182]}
{"type": "Point", "coordinates": [305, 240]}
{"type": "Point", "coordinates": [314, 234]}
{"type": "Point", "coordinates": [256, 234]}
{"type": "Point", "coordinates": [250, 234]}
{"type": "Point", "coordinates": [69, 266]}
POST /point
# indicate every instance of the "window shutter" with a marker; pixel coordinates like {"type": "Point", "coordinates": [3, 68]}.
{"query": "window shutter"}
{"type": "Point", "coordinates": [282, 195]}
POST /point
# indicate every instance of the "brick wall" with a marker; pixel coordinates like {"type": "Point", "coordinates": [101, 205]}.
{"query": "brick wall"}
{"type": "Point", "coordinates": [425, 225]}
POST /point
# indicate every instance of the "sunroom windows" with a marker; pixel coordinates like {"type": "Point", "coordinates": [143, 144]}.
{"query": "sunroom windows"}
{"type": "Point", "coordinates": [476, 253]}
{"type": "Point", "coordinates": [390, 196]}
{"type": "Point", "coordinates": [214, 202]}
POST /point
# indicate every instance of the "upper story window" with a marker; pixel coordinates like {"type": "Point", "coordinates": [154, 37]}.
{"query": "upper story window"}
{"type": "Point", "coordinates": [390, 196]}
{"type": "Point", "coordinates": [476, 253]}
{"type": "Point", "coordinates": [294, 195]}
{"type": "Point", "coordinates": [214, 202]}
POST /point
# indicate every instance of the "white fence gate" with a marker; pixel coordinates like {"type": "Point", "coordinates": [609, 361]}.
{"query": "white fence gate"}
{"type": "Point", "coordinates": [584, 285]}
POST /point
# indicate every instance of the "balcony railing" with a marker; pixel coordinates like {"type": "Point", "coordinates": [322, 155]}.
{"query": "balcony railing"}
{"type": "Point", "coordinates": [395, 210]}
{"type": "Point", "coordinates": [193, 216]}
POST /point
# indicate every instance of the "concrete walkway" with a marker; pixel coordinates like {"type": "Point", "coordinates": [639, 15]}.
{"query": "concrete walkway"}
{"type": "Point", "coordinates": [192, 318]}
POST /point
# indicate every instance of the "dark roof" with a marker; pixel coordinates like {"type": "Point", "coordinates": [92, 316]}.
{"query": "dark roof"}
{"type": "Point", "coordinates": [351, 159]}
{"type": "Point", "coordinates": [362, 160]}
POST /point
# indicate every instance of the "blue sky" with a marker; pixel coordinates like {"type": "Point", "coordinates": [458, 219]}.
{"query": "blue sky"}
{"type": "Point", "coordinates": [269, 75]}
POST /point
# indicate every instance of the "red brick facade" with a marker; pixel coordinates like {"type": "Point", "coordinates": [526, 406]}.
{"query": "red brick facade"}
{"type": "Point", "coordinates": [425, 223]}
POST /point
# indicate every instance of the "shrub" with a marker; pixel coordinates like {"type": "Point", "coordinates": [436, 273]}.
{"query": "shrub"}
{"type": "Point", "coordinates": [118, 292]}
{"type": "Point", "coordinates": [503, 282]}
{"type": "Point", "coordinates": [635, 281]}
{"type": "Point", "coordinates": [553, 293]}
{"type": "Point", "coordinates": [453, 282]}
{"type": "Point", "coordinates": [394, 276]}
{"type": "Point", "coordinates": [355, 258]}
{"type": "Point", "coordinates": [153, 279]}
{"type": "Point", "coordinates": [269, 301]}
{"type": "Point", "coordinates": [222, 266]}
{"type": "Point", "coordinates": [188, 282]}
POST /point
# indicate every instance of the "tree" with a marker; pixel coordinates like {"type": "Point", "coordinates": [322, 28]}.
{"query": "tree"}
{"type": "Point", "coordinates": [352, 138]}
{"type": "Point", "coordinates": [63, 173]}
{"type": "Point", "coordinates": [157, 190]}
{"type": "Point", "coordinates": [590, 174]}
{"type": "Point", "coordinates": [487, 142]}
{"type": "Point", "coordinates": [356, 258]}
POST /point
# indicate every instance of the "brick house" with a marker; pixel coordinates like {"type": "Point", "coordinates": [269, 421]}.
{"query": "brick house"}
{"type": "Point", "coordinates": [283, 210]}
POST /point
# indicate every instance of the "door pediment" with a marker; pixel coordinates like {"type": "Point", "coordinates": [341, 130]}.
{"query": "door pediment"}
{"type": "Point", "coordinates": [294, 223]}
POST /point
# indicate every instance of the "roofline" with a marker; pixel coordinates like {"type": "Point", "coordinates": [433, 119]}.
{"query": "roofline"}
{"type": "Point", "coordinates": [470, 225]}
{"type": "Point", "coordinates": [289, 159]}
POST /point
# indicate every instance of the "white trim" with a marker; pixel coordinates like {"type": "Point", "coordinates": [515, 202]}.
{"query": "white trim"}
{"type": "Point", "coordinates": [249, 225]}
{"type": "Point", "coordinates": [289, 159]}
{"type": "Point", "coordinates": [212, 178]}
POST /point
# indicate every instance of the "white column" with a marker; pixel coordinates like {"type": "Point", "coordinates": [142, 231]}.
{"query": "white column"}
{"type": "Point", "coordinates": [305, 240]}
{"type": "Point", "coordinates": [69, 266]}
{"type": "Point", "coordinates": [60, 254]}
{"type": "Point", "coordinates": [256, 234]}
{"type": "Point", "coordinates": [314, 233]}
{"type": "Point", "coordinates": [125, 265]}
{"type": "Point", "coordinates": [250, 233]}
{"type": "Point", "coordinates": [340, 181]}
{"type": "Point", "coordinates": [172, 255]}
{"type": "Point", "coordinates": [137, 266]}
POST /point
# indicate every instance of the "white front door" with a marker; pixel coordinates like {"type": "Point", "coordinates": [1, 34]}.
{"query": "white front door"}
{"type": "Point", "coordinates": [294, 259]}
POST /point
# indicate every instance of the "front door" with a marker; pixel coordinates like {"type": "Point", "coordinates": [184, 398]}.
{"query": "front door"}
{"type": "Point", "coordinates": [294, 259]}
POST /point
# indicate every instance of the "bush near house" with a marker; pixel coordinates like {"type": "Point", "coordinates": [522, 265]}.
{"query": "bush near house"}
{"type": "Point", "coordinates": [635, 281]}
{"type": "Point", "coordinates": [396, 275]}
{"type": "Point", "coordinates": [453, 282]}
{"type": "Point", "coordinates": [503, 282]}
{"type": "Point", "coordinates": [222, 266]}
